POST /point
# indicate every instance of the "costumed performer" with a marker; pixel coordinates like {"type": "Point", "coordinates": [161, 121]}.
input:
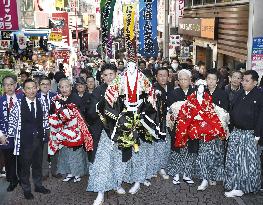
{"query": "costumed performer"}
{"type": "Point", "coordinates": [68, 133]}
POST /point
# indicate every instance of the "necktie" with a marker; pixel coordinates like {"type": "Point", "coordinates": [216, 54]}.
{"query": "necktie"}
{"type": "Point", "coordinates": [46, 102]}
{"type": "Point", "coordinates": [33, 109]}
{"type": "Point", "coordinates": [11, 103]}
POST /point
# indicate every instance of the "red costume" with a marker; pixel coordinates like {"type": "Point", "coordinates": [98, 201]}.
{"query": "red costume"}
{"type": "Point", "coordinates": [67, 128]}
{"type": "Point", "coordinates": [198, 121]}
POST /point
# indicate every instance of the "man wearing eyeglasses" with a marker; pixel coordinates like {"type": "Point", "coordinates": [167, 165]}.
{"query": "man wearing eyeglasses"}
{"type": "Point", "coordinates": [45, 97]}
{"type": "Point", "coordinates": [9, 106]}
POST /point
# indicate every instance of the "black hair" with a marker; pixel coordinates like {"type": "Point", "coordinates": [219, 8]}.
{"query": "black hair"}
{"type": "Point", "coordinates": [253, 73]}
{"type": "Point", "coordinates": [142, 62]}
{"type": "Point", "coordinates": [162, 68]}
{"type": "Point", "coordinates": [80, 80]}
{"type": "Point", "coordinates": [24, 72]}
{"type": "Point", "coordinates": [200, 63]}
{"type": "Point", "coordinates": [29, 80]}
{"type": "Point", "coordinates": [213, 72]}
{"type": "Point", "coordinates": [90, 76]}
{"type": "Point", "coordinates": [165, 62]}
{"type": "Point", "coordinates": [61, 67]}
{"type": "Point", "coordinates": [108, 66]}
{"type": "Point", "coordinates": [235, 71]}
{"type": "Point", "coordinates": [13, 77]}
{"type": "Point", "coordinates": [51, 75]}
{"type": "Point", "coordinates": [44, 78]}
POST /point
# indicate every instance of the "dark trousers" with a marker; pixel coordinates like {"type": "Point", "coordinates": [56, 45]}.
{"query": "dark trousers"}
{"type": "Point", "coordinates": [2, 160]}
{"type": "Point", "coordinates": [11, 165]}
{"type": "Point", "coordinates": [45, 164]}
{"type": "Point", "coordinates": [31, 156]}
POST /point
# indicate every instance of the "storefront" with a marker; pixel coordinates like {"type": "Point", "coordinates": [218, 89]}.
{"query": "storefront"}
{"type": "Point", "coordinates": [229, 45]}
{"type": "Point", "coordinates": [202, 31]}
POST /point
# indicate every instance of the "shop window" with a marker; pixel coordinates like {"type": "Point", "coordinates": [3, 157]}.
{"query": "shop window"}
{"type": "Point", "coordinates": [188, 3]}
{"type": "Point", "coordinates": [197, 2]}
{"type": "Point", "coordinates": [223, 1]}
{"type": "Point", "coordinates": [209, 1]}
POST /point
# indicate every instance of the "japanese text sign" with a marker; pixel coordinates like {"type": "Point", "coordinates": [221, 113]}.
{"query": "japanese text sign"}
{"type": "Point", "coordinates": [8, 15]}
{"type": "Point", "coordinates": [148, 46]}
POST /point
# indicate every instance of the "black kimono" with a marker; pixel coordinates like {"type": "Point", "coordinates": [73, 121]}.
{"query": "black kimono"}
{"type": "Point", "coordinates": [181, 159]}
{"type": "Point", "coordinates": [95, 124]}
{"type": "Point", "coordinates": [242, 164]}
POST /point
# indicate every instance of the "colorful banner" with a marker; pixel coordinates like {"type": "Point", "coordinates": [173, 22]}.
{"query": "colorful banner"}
{"type": "Point", "coordinates": [107, 8]}
{"type": "Point", "coordinates": [257, 55]}
{"type": "Point", "coordinates": [129, 29]}
{"type": "Point", "coordinates": [8, 15]}
{"type": "Point", "coordinates": [59, 24]}
{"type": "Point", "coordinates": [148, 46]}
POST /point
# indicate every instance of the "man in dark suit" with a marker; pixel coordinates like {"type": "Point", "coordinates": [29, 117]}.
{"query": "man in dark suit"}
{"type": "Point", "coordinates": [9, 106]}
{"type": "Point", "coordinates": [45, 97]}
{"type": "Point", "coordinates": [31, 140]}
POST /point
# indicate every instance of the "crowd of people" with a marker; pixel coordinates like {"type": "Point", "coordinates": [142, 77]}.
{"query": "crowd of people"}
{"type": "Point", "coordinates": [128, 121]}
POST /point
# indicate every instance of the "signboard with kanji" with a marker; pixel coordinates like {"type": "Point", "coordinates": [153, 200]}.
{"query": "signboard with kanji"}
{"type": "Point", "coordinates": [257, 55]}
{"type": "Point", "coordinates": [8, 15]}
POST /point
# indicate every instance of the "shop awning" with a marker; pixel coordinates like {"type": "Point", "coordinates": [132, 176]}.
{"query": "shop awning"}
{"type": "Point", "coordinates": [36, 32]}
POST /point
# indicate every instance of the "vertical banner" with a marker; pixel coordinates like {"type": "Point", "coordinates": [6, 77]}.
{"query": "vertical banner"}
{"type": "Point", "coordinates": [59, 24]}
{"type": "Point", "coordinates": [8, 15]}
{"type": "Point", "coordinates": [148, 46]}
{"type": "Point", "coordinates": [109, 46]}
{"type": "Point", "coordinates": [107, 8]}
{"type": "Point", "coordinates": [257, 55]}
{"type": "Point", "coordinates": [129, 29]}
{"type": "Point", "coordinates": [179, 10]}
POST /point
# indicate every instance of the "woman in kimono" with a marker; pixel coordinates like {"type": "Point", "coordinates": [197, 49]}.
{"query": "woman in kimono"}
{"type": "Point", "coordinates": [242, 160]}
{"type": "Point", "coordinates": [182, 159]}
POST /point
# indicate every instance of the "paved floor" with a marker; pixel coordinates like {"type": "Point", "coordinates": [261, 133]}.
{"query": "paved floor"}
{"type": "Point", "coordinates": [161, 192]}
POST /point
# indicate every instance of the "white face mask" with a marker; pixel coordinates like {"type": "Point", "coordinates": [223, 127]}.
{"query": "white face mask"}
{"type": "Point", "coordinates": [201, 89]}
{"type": "Point", "coordinates": [131, 67]}
{"type": "Point", "coordinates": [174, 65]}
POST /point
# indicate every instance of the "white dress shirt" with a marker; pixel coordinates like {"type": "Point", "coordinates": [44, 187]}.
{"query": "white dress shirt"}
{"type": "Point", "coordinates": [29, 104]}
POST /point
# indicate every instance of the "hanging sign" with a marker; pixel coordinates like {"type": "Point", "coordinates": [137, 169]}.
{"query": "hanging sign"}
{"type": "Point", "coordinates": [257, 55]}
{"type": "Point", "coordinates": [107, 8]}
{"type": "Point", "coordinates": [54, 36]}
{"type": "Point", "coordinates": [129, 23]}
{"type": "Point", "coordinates": [59, 24]}
{"type": "Point", "coordinates": [8, 15]}
{"type": "Point", "coordinates": [148, 46]}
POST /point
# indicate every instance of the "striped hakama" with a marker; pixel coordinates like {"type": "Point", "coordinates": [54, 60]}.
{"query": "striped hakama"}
{"type": "Point", "coordinates": [242, 162]}
{"type": "Point", "coordinates": [72, 162]}
{"type": "Point", "coordinates": [210, 160]}
{"type": "Point", "coordinates": [181, 163]}
{"type": "Point", "coordinates": [162, 150]}
{"type": "Point", "coordinates": [136, 170]}
{"type": "Point", "coordinates": [107, 171]}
